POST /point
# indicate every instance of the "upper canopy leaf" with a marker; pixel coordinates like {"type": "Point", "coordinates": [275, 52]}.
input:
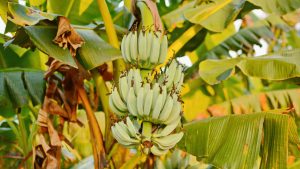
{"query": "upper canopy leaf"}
{"type": "Point", "coordinates": [277, 6]}
{"type": "Point", "coordinates": [278, 66]}
{"type": "Point", "coordinates": [94, 52]}
{"type": "Point", "coordinates": [22, 15]}
{"type": "Point", "coordinates": [215, 16]}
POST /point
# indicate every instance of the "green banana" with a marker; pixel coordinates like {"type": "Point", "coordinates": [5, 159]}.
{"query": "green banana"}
{"type": "Point", "coordinates": [155, 49]}
{"type": "Point", "coordinates": [123, 48]}
{"type": "Point", "coordinates": [175, 113]}
{"type": "Point", "coordinates": [131, 128]}
{"type": "Point", "coordinates": [163, 49]}
{"type": "Point", "coordinates": [165, 113]}
{"type": "Point", "coordinates": [127, 47]}
{"type": "Point", "coordinates": [142, 42]}
{"type": "Point", "coordinates": [155, 89]}
{"type": "Point", "coordinates": [140, 102]}
{"type": "Point", "coordinates": [148, 49]}
{"type": "Point", "coordinates": [157, 151]}
{"type": "Point", "coordinates": [137, 80]}
{"type": "Point", "coordinates": [170, 73]}
{"type": "Point", "coordinates": [148, 102]}
{"type": "Point", "coordinates": [123, 137]}
{"type": "Point", "coordinates": [117, 100]}
{"type": "Point", "coordinates": [167, 130]}
{"type": "Point", "coordinates": [114, 109]}
{"type": "Point", "coordinates": [134, 47]}
{"type": "Point", "coordinates": [124, 133]}
{"type": "Point", "coordinates": [178, 74]}
{"type": "Point", "coordinates": [158, 106]}
{"type": "Point", "coordinates": [123, 87]}
{"type": "Point", "coordinates": [168, 142]}
{"type": "Point", "coordinates": [131, 102]}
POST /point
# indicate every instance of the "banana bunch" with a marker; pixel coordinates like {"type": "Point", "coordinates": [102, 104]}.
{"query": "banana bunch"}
{"type": "Point", "coordinates": [126, 134]}
{"type": "Point", "coordinates": [146, 49]}
{"type": "Point", "coordinates": [172, 76]}
{"type": "Point", "coordinates": [154, 103]}
{"type": "Point", "coordinates": [128, 82]}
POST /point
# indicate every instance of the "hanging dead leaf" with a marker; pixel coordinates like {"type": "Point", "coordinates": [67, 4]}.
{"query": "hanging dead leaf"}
{"type": "Point", "coordinates": [54, 137]}
{"type": "Point", "coordinates": [43, 143]}
{"type": "Point", "coordinates": [67, 37]}
{"type": "Point", "coordinates": [42, 118]}
{"type": "Point", "coordinates": [52, 107]}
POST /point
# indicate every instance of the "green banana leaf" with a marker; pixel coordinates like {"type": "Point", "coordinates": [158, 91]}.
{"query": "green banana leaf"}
{"type": "Point", "coordinates": [278, 66]}
{"type": "Point", "coordinates": [277, 6]}
{"type": "Point", "coordinates": [22, 15]}
{"type": "Point", "coordinates": [215, 16]}
{"type": "Point", "coordinates": [94, 52]}
{"type": "Point", "coordinates": [243, 40]}
{"type": "Point", "coordinates": [18, 87]}
{"type": "Point", "coordinates": [236, 141]}
{"type": "Point", "coordinates": [3, 10]}
{"type": "Point", "coordinates": [278, 99]}
{"type": "Point", "coordinates": [15, 56]}
{"type": "Point", "coordinates": [78, 11]}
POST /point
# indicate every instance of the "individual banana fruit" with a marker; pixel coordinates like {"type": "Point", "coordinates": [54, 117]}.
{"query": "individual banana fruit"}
{"type": "Point", "coordinates": [172, 76]}
{"type": "Point", "coordinates": [126, 134]}
{"type": "Point", "coordinates": [162, 144]}
{"type": "Point", "coordinates": [146, 49]}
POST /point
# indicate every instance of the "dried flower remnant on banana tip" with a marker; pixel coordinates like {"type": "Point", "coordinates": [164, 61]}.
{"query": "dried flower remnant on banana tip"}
{"type": "Point", "coordinates": [149, 101]}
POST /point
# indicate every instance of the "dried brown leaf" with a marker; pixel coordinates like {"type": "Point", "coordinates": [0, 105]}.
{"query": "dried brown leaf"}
{"type": "Point", "coordinates": [43, 143]}
{"type": "Point", "coordinates": [54, 137]}
{"type": "Point", "coordinates": [52, 107]}
{"type": "Point", "coordinates": [67, 37]}
{"type": "Point", "coordinates": [42, 119]}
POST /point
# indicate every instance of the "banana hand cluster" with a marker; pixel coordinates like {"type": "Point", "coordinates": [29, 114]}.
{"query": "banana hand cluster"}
{"type": "Point", "coordinates": [126, 134]}
{"type": "Point", "coordinates": [172, 76]}
{"type": "Point", "coordinates": [146, 49]}
{"type": "Point", "coordinates": [129, 82]}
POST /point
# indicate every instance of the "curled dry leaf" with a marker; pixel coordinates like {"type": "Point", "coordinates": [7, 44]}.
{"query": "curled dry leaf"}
{"type": "Point", "coordinates": [54, 137]}
{"type": "Point", "coordinates": [67, 37]}
{"type": "Point", "coordinates": [52, 107]}
{"type": "Point", "coordinates": [42, 118]}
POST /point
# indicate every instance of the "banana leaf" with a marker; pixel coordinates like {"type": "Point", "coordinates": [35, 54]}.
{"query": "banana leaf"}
{"type": "Point", "coordinates": [18, 87]}
{"type": "Point", "coordinates": [236, 141]}
{"type": "Point", "coordinates": [277, 66]}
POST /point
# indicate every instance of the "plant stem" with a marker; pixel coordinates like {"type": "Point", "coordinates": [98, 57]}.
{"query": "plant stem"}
{"type": "Point", "coordinates": [112, 36]}
{"type": "Point", "coordinates": [147, 130]}
{"type": "Point", "coordinates": [96, 133]}
{"type": "Point", "coordinates": [108, 23]}
{"type": "Point", "coordinates": [102, 93]}
{"type": "Point", "coordinates": [182, 40]}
